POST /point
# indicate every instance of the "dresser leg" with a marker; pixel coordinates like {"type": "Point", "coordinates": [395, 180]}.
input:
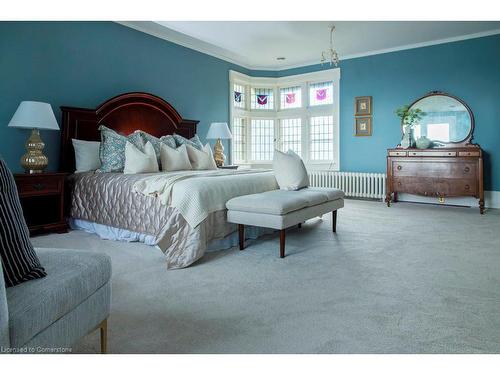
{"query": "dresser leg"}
{"type": "Point", "coordinates": [388, 199]}
{"type": "Point", "coordinates": [481, 206]}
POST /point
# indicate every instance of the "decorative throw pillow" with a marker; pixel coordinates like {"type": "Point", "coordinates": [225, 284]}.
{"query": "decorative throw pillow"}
{"type": "Point", "coordinates": [156, 142]}
{"type": "Point", "coordinates": [201, 159]}
{"type": "Point", "coordinates": [112, 150]}
{"type": "Point", "coordinates": [19, 260]}
{"type": "Point", "coordinates": [174, 159]}
{"type": "Point", "coordinates": [290, 171]}
{"type": "Point", "coordinates": [195, 141]}
{"type": "Point", "coordinates": [86, 155]}
{"type": "Point", "coordinates": [137, 161]}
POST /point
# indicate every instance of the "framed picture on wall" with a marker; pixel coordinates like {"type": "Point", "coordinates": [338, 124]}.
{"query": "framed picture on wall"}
{"type": "Point", "coordinates": [363, 126]}
{"type": "Point", "coordinates": [363, 106]}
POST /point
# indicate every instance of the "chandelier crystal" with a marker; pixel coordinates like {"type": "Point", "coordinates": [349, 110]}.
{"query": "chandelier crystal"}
{"type": "Point", "coordinates": [330, 55]}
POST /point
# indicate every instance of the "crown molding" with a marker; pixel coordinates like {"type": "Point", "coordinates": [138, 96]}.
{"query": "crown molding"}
{"type": "Point", "coordinates": [170, 35]}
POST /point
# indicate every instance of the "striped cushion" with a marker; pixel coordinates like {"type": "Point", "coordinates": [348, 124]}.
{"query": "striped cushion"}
{"type": "Point", "coordinates": [19, 260]}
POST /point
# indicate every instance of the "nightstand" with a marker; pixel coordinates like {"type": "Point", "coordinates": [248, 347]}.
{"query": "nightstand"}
{"type": "Point", "coordinates": [42, 199]}
{"type": "Point", "coordinates": [228, 167]}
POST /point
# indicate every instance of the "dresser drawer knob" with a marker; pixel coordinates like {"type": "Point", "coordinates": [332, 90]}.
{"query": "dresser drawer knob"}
{"type": "Point", "coordinates": [399, 168]}
{"type": "Point", "coordinates": [466, 169]}
{"type": "Point", "coordinates": [38, 186]}
{"type": "Point", "coordinates": [467, 187]}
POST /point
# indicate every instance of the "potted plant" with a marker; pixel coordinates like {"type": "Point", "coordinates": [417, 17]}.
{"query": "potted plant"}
{"type": "Point", "coordinates": [409, 118]}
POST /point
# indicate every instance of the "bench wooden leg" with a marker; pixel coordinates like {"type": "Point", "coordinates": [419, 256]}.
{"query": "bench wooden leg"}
{"type": "Point", "coordinates": [241, 235]}
{"type": "Point", "coordinates": [282, 243]}
{"type": "Point", "coordinates": [334, 221]}
{"type": "Point", "coordinates": [104, 336]}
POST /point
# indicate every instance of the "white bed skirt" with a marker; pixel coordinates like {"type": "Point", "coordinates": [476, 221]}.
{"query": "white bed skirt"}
{"type": "Point", "coordinates": [107, 232]}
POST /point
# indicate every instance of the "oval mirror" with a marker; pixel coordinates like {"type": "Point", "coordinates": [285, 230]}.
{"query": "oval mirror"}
{"type": "Point", "coordinates": [447, 119]}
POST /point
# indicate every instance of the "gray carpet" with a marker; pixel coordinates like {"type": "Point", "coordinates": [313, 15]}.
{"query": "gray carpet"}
{"type": "Point", "coordinates": [406, 279]}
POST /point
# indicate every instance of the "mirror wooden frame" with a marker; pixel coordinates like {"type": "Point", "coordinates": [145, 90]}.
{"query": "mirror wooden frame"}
{"type": "Point", "coordinates": [464, 142]}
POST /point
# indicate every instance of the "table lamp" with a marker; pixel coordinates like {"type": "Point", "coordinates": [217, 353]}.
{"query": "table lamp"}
{"type": "Point", "coordinates": [219, 131]}
{"type": "Point", "coordinates": [35, 116]}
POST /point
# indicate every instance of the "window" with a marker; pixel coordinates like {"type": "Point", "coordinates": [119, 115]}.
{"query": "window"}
{"type": "Point", "coordinates": [239, 96]}
{"type": "Point", "coordinates": [239, 140]}
{"type": "Point", "coordinates": [321, 128]}
{"type": "Point", "coordinates": [291, 135]}
{"type": "Point", "coordinates": [291, 97]}
{"type": "Point", "coordinates": [262, 139]}
{"type": "Point", "coordinates": [321, 93]}
{"type": "Point", "coordinates": [298, 112]}
{"type": "Point", "coordinates": [262, 99]}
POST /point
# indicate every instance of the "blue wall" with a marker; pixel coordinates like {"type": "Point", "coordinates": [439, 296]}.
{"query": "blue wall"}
{"type": "Point", "coordinates": [468, 69]}
{"type": "Point", "coordinates": [84, 63]}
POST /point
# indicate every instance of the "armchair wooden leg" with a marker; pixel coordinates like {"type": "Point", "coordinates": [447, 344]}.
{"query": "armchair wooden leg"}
{"type": "Point", "coordinates": [300, 225]}
{"type": "Point", "coordinates": [241, 235]}
{"type": "Point", "coordinates": [334, 221]}
{"type": "Point", "coordinates": [104, 336]}
{"type": "Point", "coordinates": [282, 243]}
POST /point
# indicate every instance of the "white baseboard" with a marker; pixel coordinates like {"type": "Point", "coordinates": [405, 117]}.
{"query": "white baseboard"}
{"type": "Point", "coordinates": [491, 200]}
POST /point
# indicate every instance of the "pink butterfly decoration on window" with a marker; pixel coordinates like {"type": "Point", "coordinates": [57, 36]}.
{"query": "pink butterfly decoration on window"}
{"type": "Point", "coordinates": [290, 98]}
{"type": "Point", "coordinates": [321, 94]}
{"type": "Point", "coordinates": [262, 99]}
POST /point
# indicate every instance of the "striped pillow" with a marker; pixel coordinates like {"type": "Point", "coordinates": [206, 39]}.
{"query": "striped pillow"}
{"type": "Point", "coordinates": [19, 260]}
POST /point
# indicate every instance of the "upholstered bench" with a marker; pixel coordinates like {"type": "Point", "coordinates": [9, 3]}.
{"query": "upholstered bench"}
{"type": "Point", "coordinates": [282, 209]}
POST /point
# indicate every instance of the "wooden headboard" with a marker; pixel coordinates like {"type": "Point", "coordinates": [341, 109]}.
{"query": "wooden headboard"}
{"type": "Point", "coordinates": [124, 113]}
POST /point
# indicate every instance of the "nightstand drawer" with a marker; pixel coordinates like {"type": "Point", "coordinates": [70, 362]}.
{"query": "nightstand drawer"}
{"type": "Point", "coordinates": [39, 185]}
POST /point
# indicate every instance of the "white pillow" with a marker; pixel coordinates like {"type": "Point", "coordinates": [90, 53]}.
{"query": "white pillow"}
{"type": "Point", "coordinates": [290, 171]}
{"type": "Point", "coordinates": [137, 161]}
{"type": "Point", "coordinates": [86, 155]}
{"type": "Point", "coordinates": [174, 159]}
{"type": "Point", "coordinates": [201, 159]}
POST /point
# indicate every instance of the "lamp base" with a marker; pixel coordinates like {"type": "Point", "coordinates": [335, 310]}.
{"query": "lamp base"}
{"type": "Point", "coordinates": [219, 156]}
{"type": "Point", "coordinates": [34, 161]}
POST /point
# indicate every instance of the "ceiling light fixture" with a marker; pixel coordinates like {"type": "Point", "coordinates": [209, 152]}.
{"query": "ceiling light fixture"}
{"type": "Point", "coordinates": [330, 55]}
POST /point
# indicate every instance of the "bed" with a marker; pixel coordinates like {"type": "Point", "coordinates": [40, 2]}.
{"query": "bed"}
{"type": "Point", "coordinates": [110, 205]}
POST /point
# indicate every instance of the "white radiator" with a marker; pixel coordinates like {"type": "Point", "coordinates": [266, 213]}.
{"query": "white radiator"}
{"type": "Point", "coordinates": [354, 184]}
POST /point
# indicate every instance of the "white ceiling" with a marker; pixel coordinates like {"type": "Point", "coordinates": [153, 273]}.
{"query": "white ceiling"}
{"type": "Point", "coordinates": [257, 44]}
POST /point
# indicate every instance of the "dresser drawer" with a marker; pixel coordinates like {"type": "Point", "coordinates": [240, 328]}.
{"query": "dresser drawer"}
{"type": "Point", "coordinates": [433, 153]}
{"type": "Point", "coordinates": [435, 187]}
{"type": "Point", "coordinates": [430, 169]}
{"type": "Point", "coordinates": [39, 185]}
{"type": "Point", "coordinates": [469, 153]}
{"type": "Point", "coordinates": [397, 153]}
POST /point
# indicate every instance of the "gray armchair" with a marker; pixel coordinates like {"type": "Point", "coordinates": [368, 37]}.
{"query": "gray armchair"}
{"type": "Point", "coordinates": [51, 314]}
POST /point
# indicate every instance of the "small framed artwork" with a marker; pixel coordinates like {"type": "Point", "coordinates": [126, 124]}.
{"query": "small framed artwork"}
{"type": "Point", "coordinates": [363, 105]}
{"type": "Point", "coordinates": [363, 126]}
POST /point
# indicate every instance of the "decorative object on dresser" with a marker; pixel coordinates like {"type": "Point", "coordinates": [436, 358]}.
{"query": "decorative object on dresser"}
{"type": "Point", "coordinates": [409, 117]}
{"type": "Point", "coordinates": [453, 169]}
{"type": "Point", "coordinates": [42, 199]}
{"type": "Point", "coordinates": [363, 106]}
{"type": "Point", "coordinates": [35, 116]}
{"type": "Point", "coordinates": [219, 131]}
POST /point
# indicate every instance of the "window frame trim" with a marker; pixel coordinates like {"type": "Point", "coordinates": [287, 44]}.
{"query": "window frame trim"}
{"type": "Point", "coordinates": [305, 112]}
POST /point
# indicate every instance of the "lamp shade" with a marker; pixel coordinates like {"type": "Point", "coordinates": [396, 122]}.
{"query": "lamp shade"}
{"type": "Point", "coordinates": [34, 115]}
{"type": "Point", "coordinates": [219, 130]}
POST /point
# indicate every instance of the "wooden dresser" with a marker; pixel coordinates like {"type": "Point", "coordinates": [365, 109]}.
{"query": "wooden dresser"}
{"type": "Point", "coordinates": [441, 173]}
